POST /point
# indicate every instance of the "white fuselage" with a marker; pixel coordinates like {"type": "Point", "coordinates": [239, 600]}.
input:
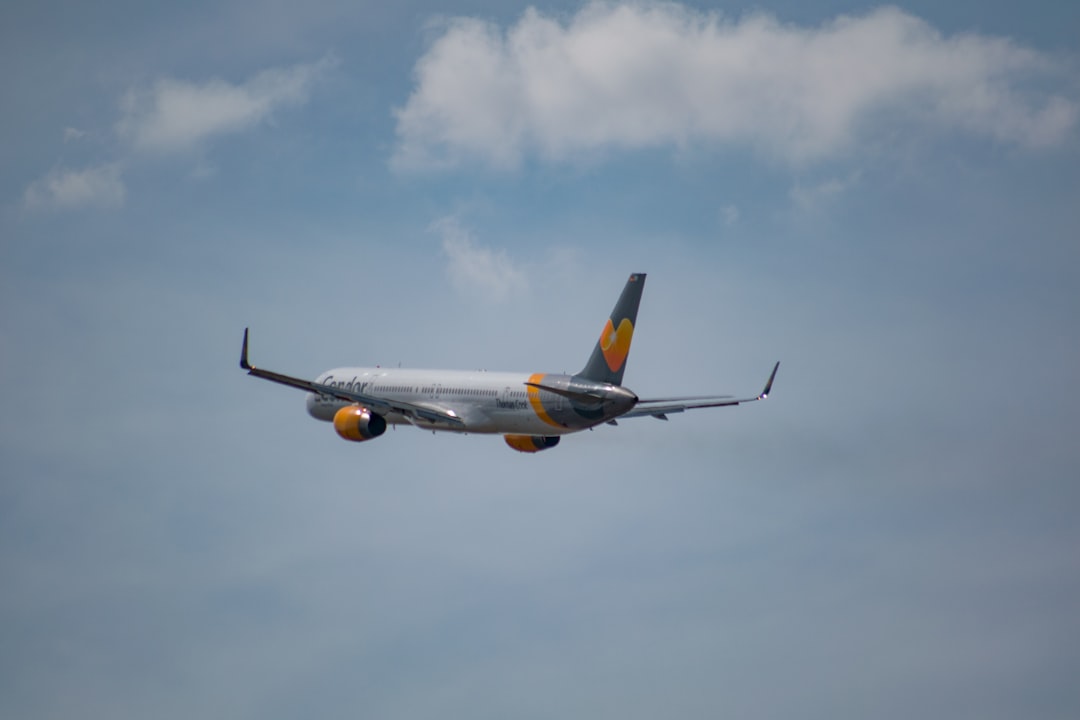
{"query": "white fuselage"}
{"type": "Point", "coordinates": [486, 402]}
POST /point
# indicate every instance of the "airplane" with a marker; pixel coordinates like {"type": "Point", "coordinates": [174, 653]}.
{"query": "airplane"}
{"type": "Point", "coordinates": [531, 410]}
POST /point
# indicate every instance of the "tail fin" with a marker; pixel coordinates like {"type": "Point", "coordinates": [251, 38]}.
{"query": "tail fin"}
{"type": "Point", "coordinates": [608, 358]}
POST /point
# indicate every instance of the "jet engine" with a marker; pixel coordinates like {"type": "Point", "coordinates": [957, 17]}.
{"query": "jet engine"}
{"type": "Point", "coordinates": [358, 423]}
{"type": "Point", "coordinates": [531, 443]}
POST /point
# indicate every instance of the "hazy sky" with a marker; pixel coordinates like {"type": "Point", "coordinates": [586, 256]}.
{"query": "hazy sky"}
{"type": "Point", "coordinates": [886, 199]}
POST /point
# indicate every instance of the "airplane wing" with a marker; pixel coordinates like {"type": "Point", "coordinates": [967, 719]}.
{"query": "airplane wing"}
{"type": "Point", "coordinates": [660, 408]}
{"type": "Point", "coordinates": [371, 402]}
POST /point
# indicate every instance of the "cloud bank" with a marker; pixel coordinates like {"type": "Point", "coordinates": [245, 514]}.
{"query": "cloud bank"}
{"type": "Point", "coordinates": [639, 75]}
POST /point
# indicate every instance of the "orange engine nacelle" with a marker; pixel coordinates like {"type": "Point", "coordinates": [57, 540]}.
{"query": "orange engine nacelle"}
{"type": "Point", "coordinates": [531, 443]}
{"type": "Point", "coordinates": [358, 423]}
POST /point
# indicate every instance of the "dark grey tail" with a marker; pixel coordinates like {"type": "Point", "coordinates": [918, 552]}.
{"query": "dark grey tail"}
{"type": "Point", "coordinates": [608, 358]}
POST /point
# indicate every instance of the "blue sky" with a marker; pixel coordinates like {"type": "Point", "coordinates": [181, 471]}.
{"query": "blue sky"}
{"type": "Point", "coordinates": [883, 198]}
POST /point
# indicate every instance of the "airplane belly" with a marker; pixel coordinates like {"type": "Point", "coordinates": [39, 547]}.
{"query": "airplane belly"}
{"type": "Point", "coordinates": [527, 422]}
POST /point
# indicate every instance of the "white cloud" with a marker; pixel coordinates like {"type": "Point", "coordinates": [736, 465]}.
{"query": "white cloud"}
{"type": "Point", "coordinates": [477, 270]}
{"type": "Point", "coordinates": [811, 198]}
{"type": "Point", "coordinates": [729, 214]}
{"type": "Point", "coordinates": [634, 75]}
{"type": "Point", "coordinates": [176, 115]}
{"type": "Point", "coordinates": [173, 115]}
{"type": "Point", "coordinates": [62, 189]}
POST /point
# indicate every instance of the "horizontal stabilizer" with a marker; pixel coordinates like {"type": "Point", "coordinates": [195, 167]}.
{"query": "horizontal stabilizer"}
{"type": "Point", "coordinates": [584, 397]}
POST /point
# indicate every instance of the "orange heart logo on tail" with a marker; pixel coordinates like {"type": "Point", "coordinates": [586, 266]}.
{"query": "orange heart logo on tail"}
{"type": "Point", "coordinates": [615, 344]}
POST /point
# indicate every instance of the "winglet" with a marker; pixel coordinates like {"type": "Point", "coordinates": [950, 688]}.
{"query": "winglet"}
{"type": "Point", "coordinates": [768, 386]}
{"type": "Point", "coordinates": [244, 364]}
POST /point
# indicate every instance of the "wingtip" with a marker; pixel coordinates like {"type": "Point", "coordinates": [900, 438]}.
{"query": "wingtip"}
{"type": "Point", "coordinates": [768, 386]}
{"type": "Point", "coordinates": [244, 364]}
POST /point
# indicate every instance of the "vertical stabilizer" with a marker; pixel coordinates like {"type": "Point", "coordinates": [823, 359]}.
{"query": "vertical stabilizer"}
{"type": "Point", "coordinates": [608, 359]}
